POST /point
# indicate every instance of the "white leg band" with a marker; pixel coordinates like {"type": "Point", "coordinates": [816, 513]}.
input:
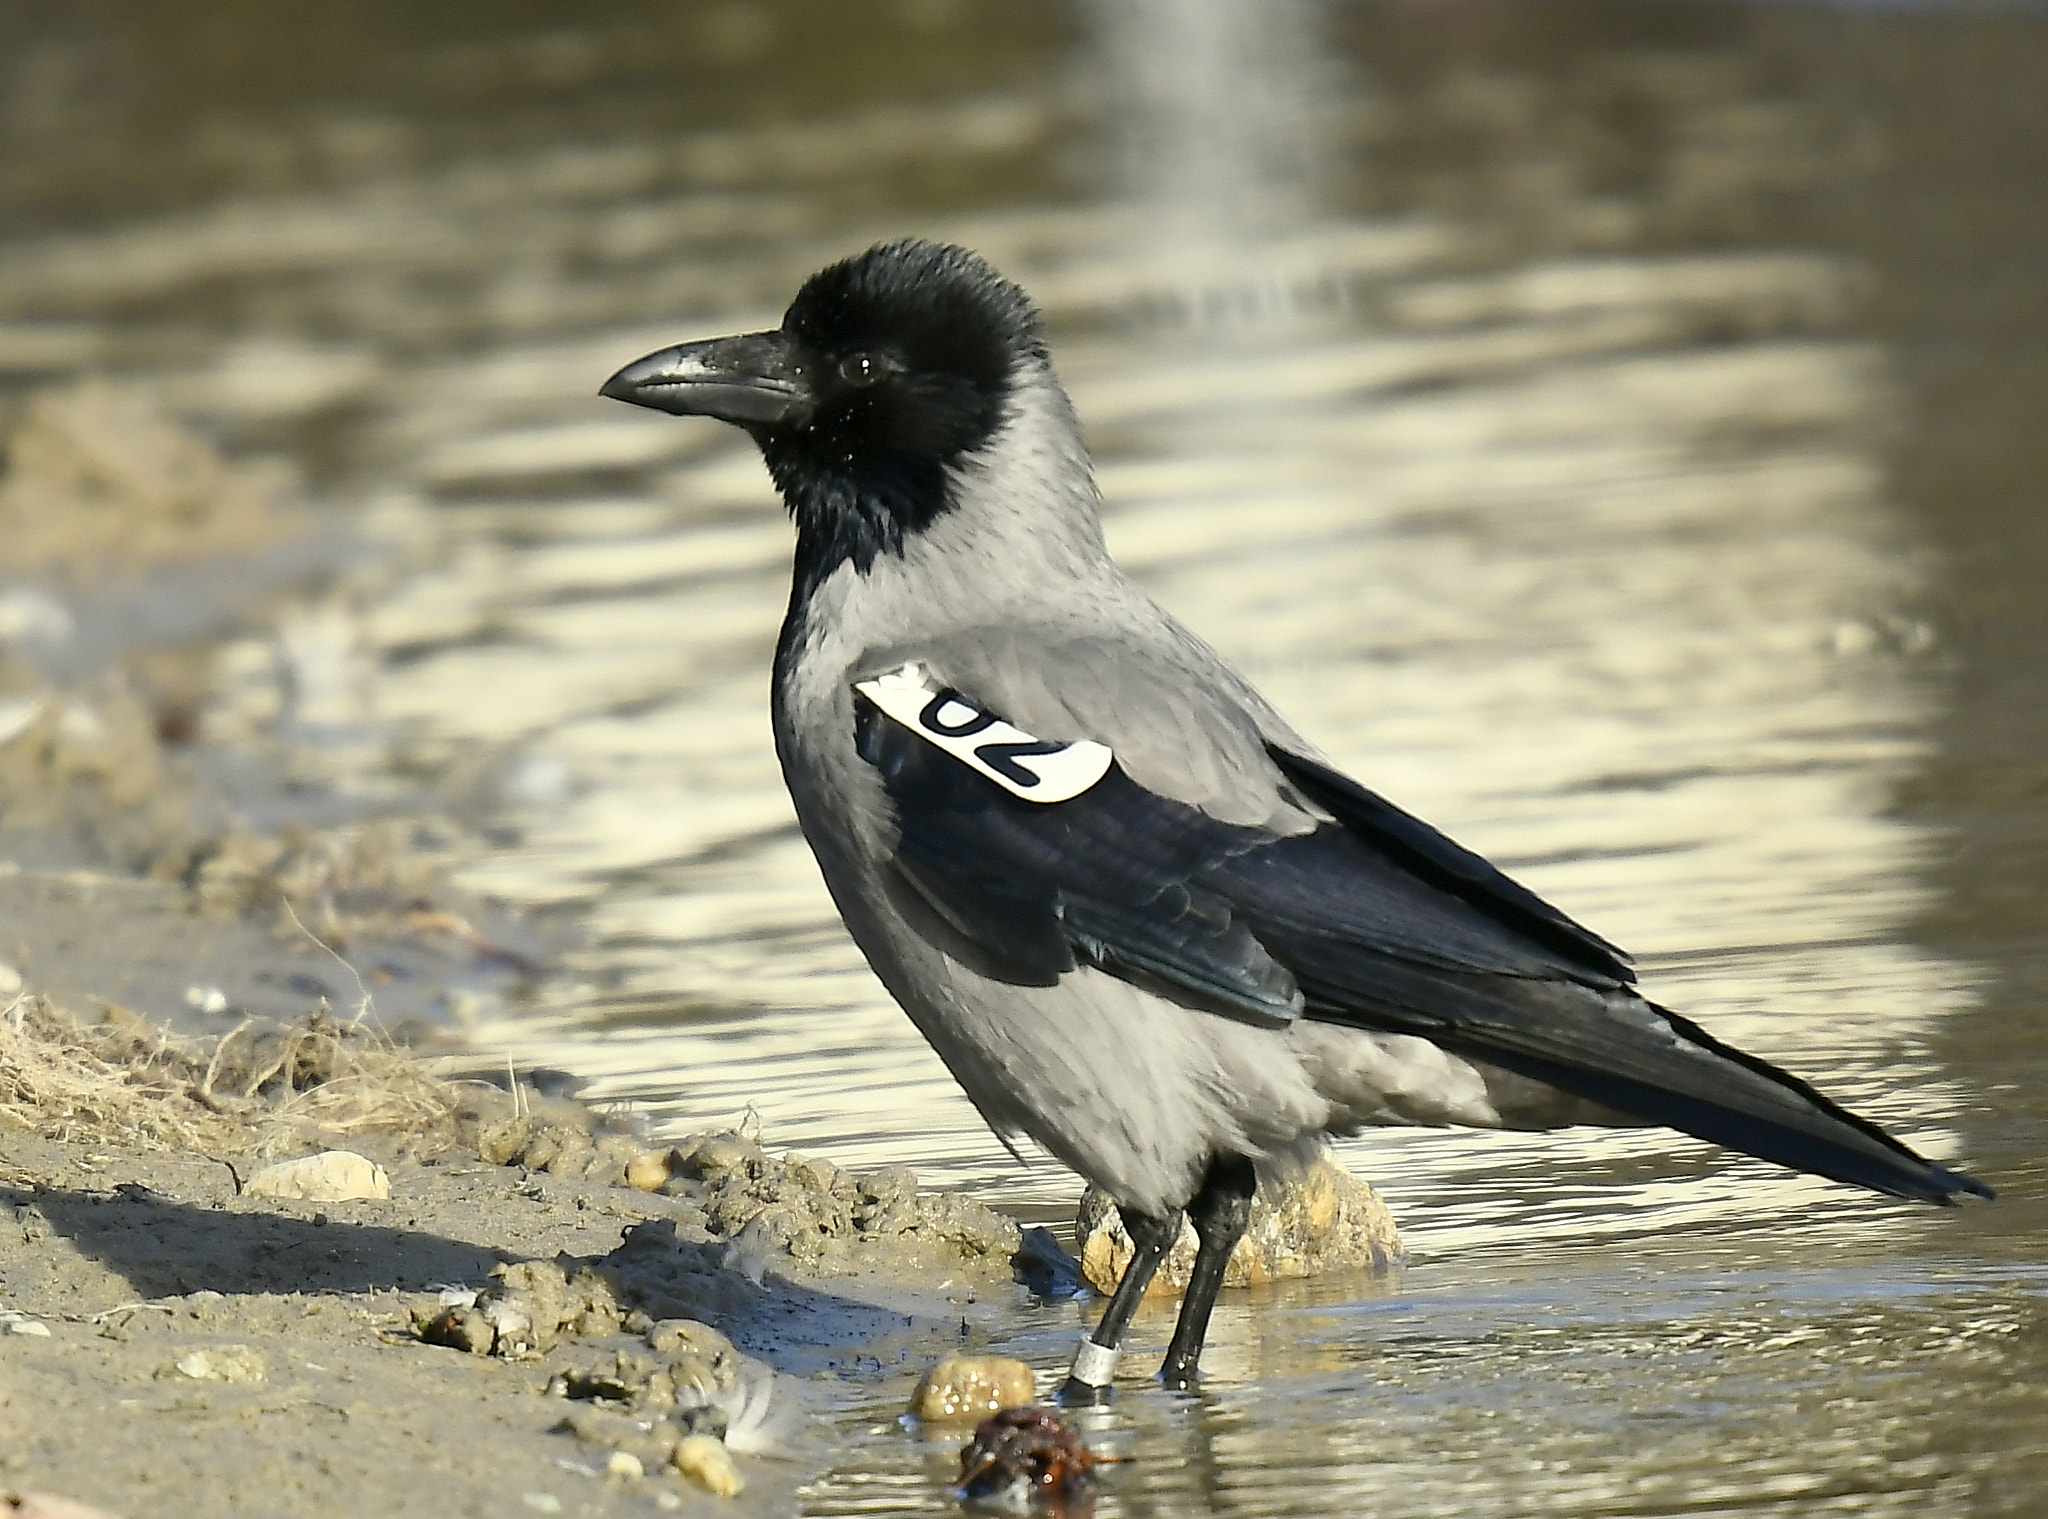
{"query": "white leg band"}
{"type": "Point", "coordinates": [1094, 1365]}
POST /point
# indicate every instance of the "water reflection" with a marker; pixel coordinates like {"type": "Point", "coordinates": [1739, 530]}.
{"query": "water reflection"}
{"type": "Point", "coordinates": [1573, 489]}
{"type": "Point", "coordinates": [1586, 555]}
{"type": "Point", "coordinates": [1657, 1388]}
{"type": "Point", "coordinates": [1222, 121]}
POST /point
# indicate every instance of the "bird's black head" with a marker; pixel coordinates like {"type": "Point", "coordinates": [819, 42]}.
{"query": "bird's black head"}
{"type": "Point", "coordinates": [916, 346]}
{"type": "Point", "coordinates": [889, 368]}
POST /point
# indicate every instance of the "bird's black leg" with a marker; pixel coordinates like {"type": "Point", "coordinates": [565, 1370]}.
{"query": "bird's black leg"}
{"type": "Point", "coordinates": [1095, 1361]}
{"type": "Point", "coordinates": [1220, 1211]}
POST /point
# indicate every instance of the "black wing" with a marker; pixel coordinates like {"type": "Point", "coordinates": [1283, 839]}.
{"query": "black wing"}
{"type": "Point", "coordinates": [1375, 921]}
{"type": "Point", "coordinates": [1452, 868]}
{"type": "Point", "coordinates": [1110, 877]}
{"type": "Point", "coordinates": [1122, 874]}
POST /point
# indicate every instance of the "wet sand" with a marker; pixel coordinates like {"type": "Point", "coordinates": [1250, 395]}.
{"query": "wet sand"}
{"type": "Point", "coordinates": [270, 1356]}
{"type": "Point", "coordinates": [132, 1261]}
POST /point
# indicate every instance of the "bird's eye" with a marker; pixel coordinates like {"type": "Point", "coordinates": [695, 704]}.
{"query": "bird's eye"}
{"type": "Point", "coordinates": [860, 369]}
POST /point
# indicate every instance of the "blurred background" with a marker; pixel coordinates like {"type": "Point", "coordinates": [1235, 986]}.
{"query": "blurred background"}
{"type": "Point", "coordinates": [1613, 430]}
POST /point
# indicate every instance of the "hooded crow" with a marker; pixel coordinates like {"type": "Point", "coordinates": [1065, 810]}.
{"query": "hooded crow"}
{"type": "Point", "coordinates": [1138, 916]}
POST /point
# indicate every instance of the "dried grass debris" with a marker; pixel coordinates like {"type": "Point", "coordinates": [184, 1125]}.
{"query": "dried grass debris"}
{"type": "Point", "coordinates": [260, 1090]}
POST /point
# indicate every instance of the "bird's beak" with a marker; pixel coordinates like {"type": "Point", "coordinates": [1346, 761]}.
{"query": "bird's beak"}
{"type": "Point", "coordinates": [751, 381]}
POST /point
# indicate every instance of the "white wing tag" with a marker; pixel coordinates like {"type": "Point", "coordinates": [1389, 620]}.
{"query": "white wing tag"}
{"type": "Point", "coordinates": [1022, 765]}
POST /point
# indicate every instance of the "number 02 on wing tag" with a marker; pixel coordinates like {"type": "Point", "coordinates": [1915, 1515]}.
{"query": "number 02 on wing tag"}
{"type": "Point", "coordinates": [1022, 765]}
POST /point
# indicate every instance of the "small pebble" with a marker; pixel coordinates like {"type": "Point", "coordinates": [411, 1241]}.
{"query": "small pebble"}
{"type": "Point", "coordinates": [972, 1387]}
{"type": "Point", "coordinates": [542, 1503]}
{"type": "Point", "coordinates": [207, 999]}
{"type": "Point", "coordinates": [623, 1466]}
{"type": "Point", "coordinates": [10, 980]}
{"type": "Point", "coordinates": [705, 1461]}
{"type": "Point", "coordinates": [21, 1323]}
{"type": "Point", "coordinates": [332, 1176]}
{"type": "Point", "coordinates": [223, 1363]}
{"type": "Point", "coordinates": [649, 1172]}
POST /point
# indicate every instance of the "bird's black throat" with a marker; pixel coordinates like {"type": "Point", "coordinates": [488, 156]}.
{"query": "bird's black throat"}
{"type": "Point", "coordinates": [853, 511]}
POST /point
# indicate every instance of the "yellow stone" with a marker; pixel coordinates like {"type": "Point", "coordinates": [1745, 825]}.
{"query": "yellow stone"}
{"type": "Point", "coordinates": [972, 1387]}
{"type": "Point", "coordinates": [649, 1172]}
{"type": "Point", "coordinates": [623, 1466]}
{"type": "Point", "coordinates": [332, 1176]}
{"type": "Point", "coordinates": [1323, 1220]}
{"type": "Point", "coordinates": [705, 1461]}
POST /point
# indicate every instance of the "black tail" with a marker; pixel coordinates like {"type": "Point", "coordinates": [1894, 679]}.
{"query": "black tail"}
{"type": "Point", "coordinates": [1611, 1047]}
{"type": "Point", "coordinates": [1386, 924]}
{"type": "Point", "coordinates": [1727, 1096]}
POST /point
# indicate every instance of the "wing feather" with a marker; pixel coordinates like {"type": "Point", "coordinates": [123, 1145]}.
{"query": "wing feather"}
{"type": "Point", "coordinates": [1372, 920]}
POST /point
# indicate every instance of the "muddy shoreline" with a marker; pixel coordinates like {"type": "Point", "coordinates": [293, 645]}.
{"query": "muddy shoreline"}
{"type": "Point", "coordinates": [276, 1356]}
{"type": "Point", "coordinates": [187, 994]}
{"type": "Point", "coordinates": [134, 1261]}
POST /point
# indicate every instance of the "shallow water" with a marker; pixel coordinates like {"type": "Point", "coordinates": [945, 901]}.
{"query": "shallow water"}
{"type": "Point", "coordinates": [1605, 441]}
{"type": "Point", "coordinates": [1725, 1381]}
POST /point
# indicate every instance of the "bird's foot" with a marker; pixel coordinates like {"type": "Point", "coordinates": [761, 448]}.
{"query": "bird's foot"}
{"type": "Point", "coordinates": [1079, 1394]}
